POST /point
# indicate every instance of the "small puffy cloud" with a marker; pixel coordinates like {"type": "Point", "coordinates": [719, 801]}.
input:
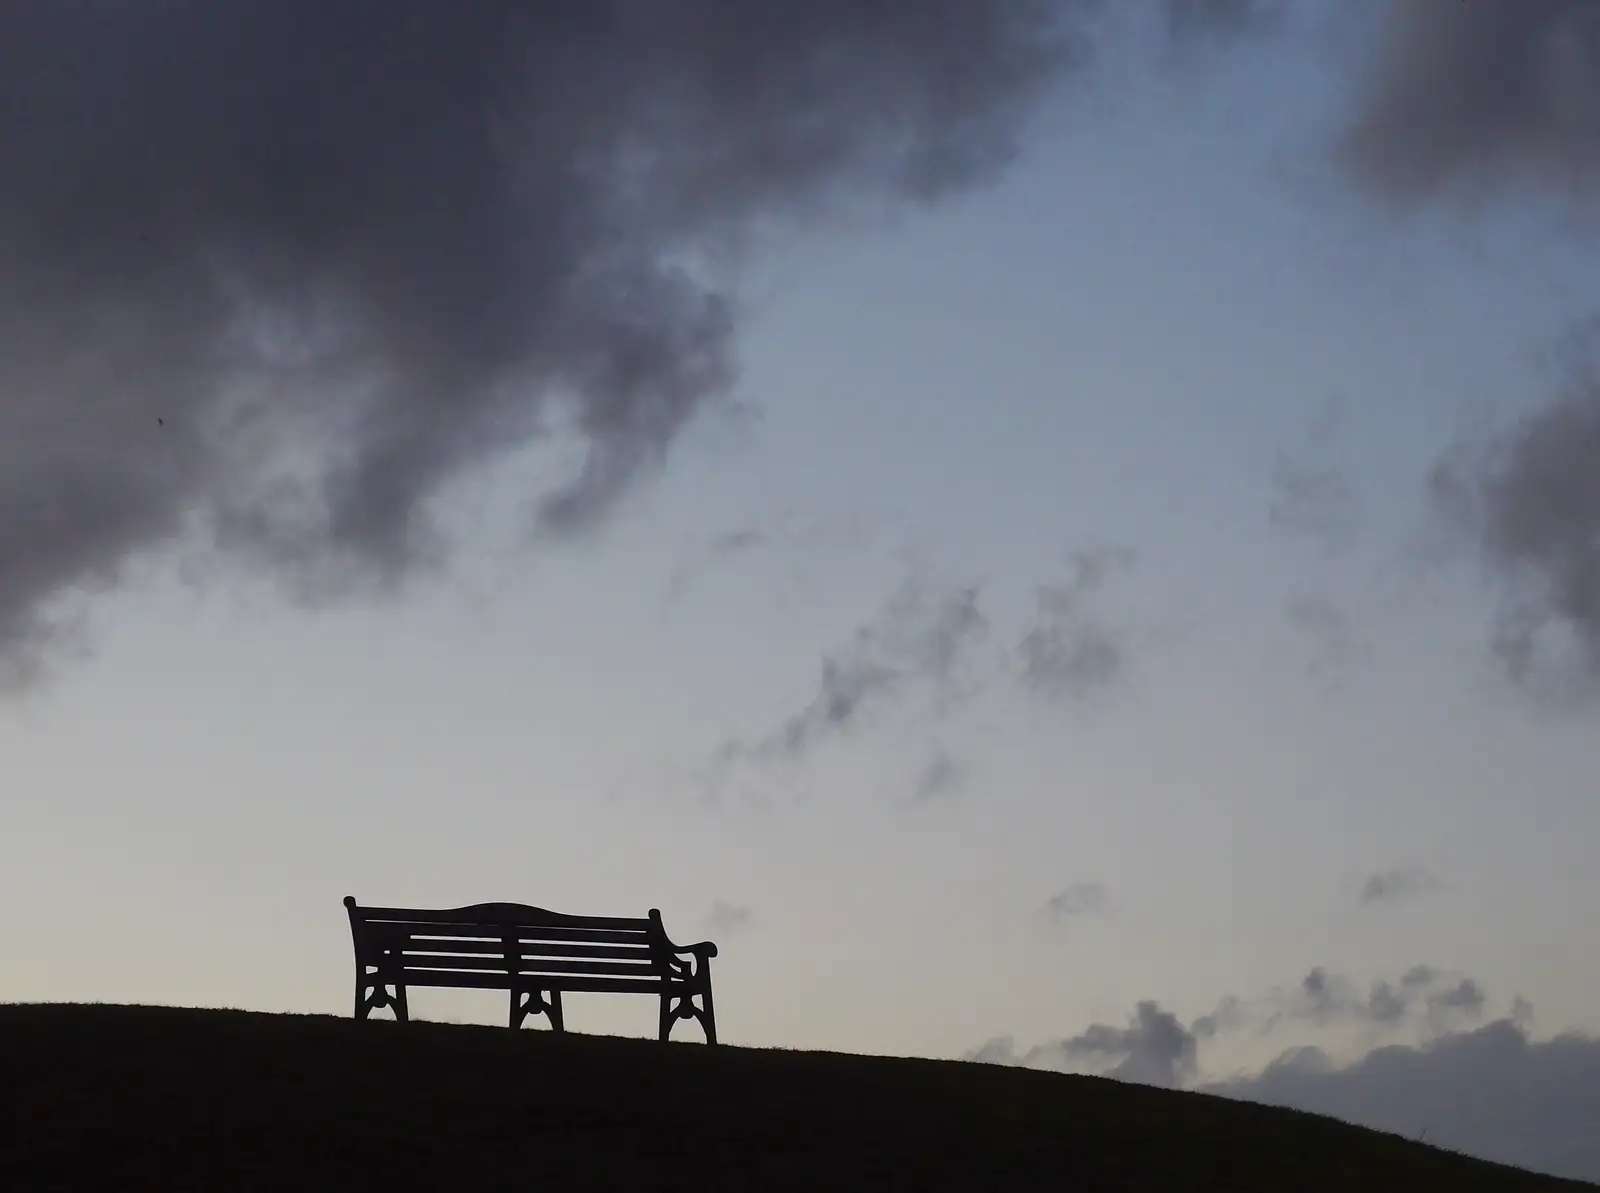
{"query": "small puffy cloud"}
{"type": "Point", "coordinates": [1327, 999]}
{"type": "Point", "coordinates": [1423, 998]}
{"type": "Point", "coordinates": [1398, 884]}
{"type": "Point", "coordinates": [1076, 901]}
{"type": "Point", "coordinates": [1152, 1048]}
{"type": "Point", "coordinates": [728, 917]}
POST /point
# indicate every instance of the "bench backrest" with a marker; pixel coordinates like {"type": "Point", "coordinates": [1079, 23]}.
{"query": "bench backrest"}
{"type": "Point", "coordinates": [487, 943]}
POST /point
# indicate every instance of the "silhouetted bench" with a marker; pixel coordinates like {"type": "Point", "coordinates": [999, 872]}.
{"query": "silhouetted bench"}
{"type": "Point", "coordinates": [533, 953]}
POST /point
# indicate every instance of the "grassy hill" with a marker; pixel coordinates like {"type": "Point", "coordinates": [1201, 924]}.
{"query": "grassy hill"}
{"type": "Point", "coordinates": [133, 1098]}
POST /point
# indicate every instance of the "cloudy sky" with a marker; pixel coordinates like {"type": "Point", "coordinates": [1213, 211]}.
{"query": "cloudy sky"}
{"type": "Point", "coordinates": [1058, 533]}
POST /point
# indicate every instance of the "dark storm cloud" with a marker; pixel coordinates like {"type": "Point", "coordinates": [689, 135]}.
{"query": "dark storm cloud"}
{"type": "Point", "coordinates": [1398, 884]}
{"type": "Point", "coordinates": [1529, 501]}
{"type": "Point", "coordinates": [1467, 98]}
{"type": "Point", "coordinates": [276, 271]}
{"type": "Point", "coordinates": [1482, 100]}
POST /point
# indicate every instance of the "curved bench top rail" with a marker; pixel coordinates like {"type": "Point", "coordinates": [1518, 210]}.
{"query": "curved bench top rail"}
{"type": "Point", "coordinates": [394, 932]}
{"type": "Point", "coordinates": [500, 915]}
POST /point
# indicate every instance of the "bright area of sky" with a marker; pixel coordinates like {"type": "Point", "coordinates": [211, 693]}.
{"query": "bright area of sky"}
{"type": "Point", "coordinates": [1155, 335]}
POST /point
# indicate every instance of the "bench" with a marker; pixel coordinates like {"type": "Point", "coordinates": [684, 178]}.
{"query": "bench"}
{"type": "Point", "coordinates": [534, 954]}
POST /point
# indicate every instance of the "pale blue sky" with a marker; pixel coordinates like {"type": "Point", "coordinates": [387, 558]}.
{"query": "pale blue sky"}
{"type": "Point", "coordinates": [1110, 346]}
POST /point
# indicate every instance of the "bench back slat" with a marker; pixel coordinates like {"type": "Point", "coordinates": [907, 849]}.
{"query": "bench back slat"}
{"type": "Point", "coordinates": [643, 968]}
{"type": "Point", "coordinates": [496, 946]}
{"type": "Point", "coordinates": [388, 931]}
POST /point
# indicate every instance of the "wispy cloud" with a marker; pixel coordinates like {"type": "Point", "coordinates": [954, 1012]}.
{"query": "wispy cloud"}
{"type": "Point", "coordinates": [1326, 629]}
{"type": "Point", "coordinates": [1073, 649]}
{"type": "Point", "coordinates": [923, 644]}
{"type": "Point", "coordinates": [787, 532]}
{"type": "Point", "coordinates": [1313, 497]}
{"type": "Point", "coordinates": [941, 777]}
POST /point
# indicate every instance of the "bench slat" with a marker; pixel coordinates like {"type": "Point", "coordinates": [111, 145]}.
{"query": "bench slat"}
{"type": "Point", "coordinates": [502, 981]}
{"type": "Point", "coordinates": [642, 969]}
{"type": "Point", "coordinates": [455, 978]}
{"type": "Point", "coordinates": [528, 948]}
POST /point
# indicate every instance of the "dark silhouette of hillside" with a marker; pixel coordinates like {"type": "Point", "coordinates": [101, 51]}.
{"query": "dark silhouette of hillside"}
{"type": "Point", "coordinates": [136, 1098]}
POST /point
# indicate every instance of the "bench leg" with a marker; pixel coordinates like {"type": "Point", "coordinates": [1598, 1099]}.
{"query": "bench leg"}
{"type": "Point", "coordinates": [373, 994]}
{"type": "Point", "coordinates": [535, 1003]}
{"type": "Point", "coordinates": [682, 1006]}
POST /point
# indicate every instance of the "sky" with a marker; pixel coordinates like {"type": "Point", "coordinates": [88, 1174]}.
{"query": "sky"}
{"type": "Point", "coordinates": [1055, 533]}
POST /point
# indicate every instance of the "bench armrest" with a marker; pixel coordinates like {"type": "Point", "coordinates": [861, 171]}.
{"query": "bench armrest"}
{"type": "Point", "coordinates": [701, 951]}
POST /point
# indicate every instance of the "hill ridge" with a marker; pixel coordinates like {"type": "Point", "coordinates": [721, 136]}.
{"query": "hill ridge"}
{"type": "Point", "coordinates": [135, 1097]}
